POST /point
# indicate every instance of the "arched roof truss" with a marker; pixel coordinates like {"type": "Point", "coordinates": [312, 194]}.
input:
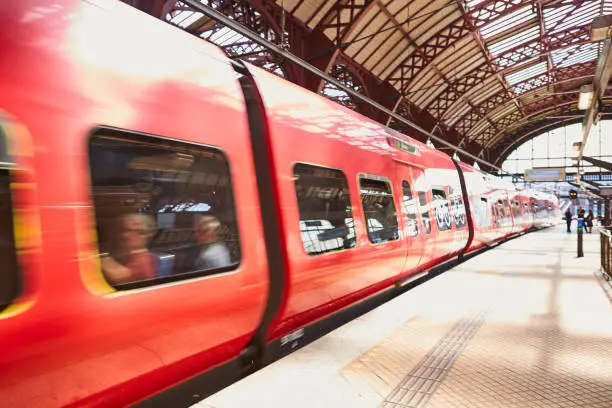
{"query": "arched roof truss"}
{"type": "Point", "coordinates": [478, 66]}
{"type": "Point", "coordinates": [481, 72]}
{"type": "Point", "coordinates": [234, 44]}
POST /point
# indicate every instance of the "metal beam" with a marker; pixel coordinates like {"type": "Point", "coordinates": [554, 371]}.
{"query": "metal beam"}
{"type": "Point", "coordinates": [599, 163]}
{"type": "Point", "coordinates": [600, 83]}
{"type": "Point", "coordinates": [220, 17]}
{"type": "Point", "coordinates": [587, 190]}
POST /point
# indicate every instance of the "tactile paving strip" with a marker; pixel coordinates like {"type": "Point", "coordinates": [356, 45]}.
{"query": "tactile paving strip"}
{"type": "Point", "coordinates": [419, 384]}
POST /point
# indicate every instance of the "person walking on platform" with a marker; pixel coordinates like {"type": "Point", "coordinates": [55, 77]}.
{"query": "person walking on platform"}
{"type": "Point", "coordinates": [568, 219]}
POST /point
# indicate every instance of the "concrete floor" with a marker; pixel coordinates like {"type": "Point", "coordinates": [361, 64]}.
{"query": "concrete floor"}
{"type": "Point", "coordinates": [526, 324]}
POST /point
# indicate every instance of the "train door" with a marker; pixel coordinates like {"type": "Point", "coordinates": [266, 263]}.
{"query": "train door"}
{"type": "Point", "coordinates": [413, 229]}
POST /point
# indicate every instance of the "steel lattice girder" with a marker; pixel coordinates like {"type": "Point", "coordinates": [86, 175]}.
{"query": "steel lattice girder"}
{"type": "Point", "coordinates": [512, 140]}
{"type": "Point", "coordinates": [552, 120]}
{"type": "Point", "coordinates": [313, 46]}
{"type": "Point", "coordinates": [517, 55]}
{"type": "Point", "coordinates": [342, 16]}
{"type": "Point", "coordinates": [572, 36]}
{"type": "Point", "coordinates": [481, 15]}
{"type": "Point", "coordinates": [585, 70]}
{"type": "Point", "coordinates": [345, 15]}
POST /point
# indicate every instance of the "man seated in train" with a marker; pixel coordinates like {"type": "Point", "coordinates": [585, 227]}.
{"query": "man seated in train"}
{"type": "Point", "coordinates": [212, 252]}
{"type": "Point", "coordinates": [130, 260]}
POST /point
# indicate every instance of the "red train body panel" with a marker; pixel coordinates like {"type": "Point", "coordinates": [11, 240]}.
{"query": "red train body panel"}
{"type": "Point", "coordinates": [70, 338]}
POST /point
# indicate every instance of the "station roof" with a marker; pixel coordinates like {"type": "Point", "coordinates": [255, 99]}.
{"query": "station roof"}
{"type": "Point", "coordinates": [493, 71]}
{"type": "Point", "coordinates": [479, 66]}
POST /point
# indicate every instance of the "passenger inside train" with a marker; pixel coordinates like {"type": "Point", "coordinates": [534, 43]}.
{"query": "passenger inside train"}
{"type": "Point", "coordinates": [128, 258]}
{"type": "Point", "coordinates": [212, 252]}
{"type": "Point", "coordinates": [161, 210]}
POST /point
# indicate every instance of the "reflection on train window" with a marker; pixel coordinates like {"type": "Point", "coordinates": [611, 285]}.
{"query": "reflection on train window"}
{"type": "Point", "coordinates": [326, 215]}
{"type": "Point", "coordinates": [410, 208]}
{"type": "Point", "coordinates": [379, 210]}
{"type": "Point", "coordinates": [9, 272]}
{"type": "Point", "coordinates": [516, 211]}
{"type": "Point", "coordinates": [441, 210]}
{"type": "Point", "coordinates": [165, 210]}
{"type": "Point", "coordinates": [498, 211]}
{"type": "Point", "coordinates": [458, 208]}
{"type": "Point", "coordinates": [424, 212]}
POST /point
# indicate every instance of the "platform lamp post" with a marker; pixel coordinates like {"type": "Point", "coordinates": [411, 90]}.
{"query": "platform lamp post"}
{"type": "Point", "coordinates": [579, 221]}
{"type": "Point", "coordinates": [580, 229]}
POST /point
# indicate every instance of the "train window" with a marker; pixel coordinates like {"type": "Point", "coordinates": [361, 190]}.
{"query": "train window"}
{"type": "Point", "coordinates": [324, 203]}
{"type": "Point", "coordinates": [516, 211]}
{"type": "Point", "coordinates": [164, 209]}
{"type": "Point", "coordinates": [424, 212]}
{"type": "Point", "coordinates": [458, 208]}
{"type": "Point", "coordinates": [507, 210]}
{"type": "Point", "coordinates": [441, 209]}
{"type": "Point", "coordinates": [410, 208]}
{"type": "Point", "coordinates": [379, 209]}
{"type": "Point", "coordinates": [9, 272]}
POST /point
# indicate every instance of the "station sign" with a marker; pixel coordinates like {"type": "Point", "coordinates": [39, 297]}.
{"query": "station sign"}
{"type": "Point", "coordinates": [545, 174]}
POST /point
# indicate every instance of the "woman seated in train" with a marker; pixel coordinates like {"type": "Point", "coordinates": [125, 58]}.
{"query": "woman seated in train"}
{"type": "Point", "coordinates": [130, 260]}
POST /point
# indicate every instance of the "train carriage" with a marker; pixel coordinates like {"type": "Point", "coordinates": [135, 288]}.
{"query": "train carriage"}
{"type": "Point", "coordinates": [167, 213]}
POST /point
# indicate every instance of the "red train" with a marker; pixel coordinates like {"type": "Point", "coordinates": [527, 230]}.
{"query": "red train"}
{"type": "Point", "coordinates": [169, 216]}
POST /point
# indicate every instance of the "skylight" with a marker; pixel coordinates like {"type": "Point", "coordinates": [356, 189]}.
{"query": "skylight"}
{"type": "Point", "coordinates": [567, 16]}
{"type": "Point", "coordinates": [575, 55]}
{"type": "Point", "coordinates": [471, 4]}
{"type": "Point", "coordinates": [527, 73]}
{"type": "Point", "coordinates": [226, 36]}
{"type": "Point", "coordinates": [185, 18]}
{"type": "Point", "coordinates": [507, 22]}
{"type": "Point", "coordinates": [514, 40]}
{"type": "Point", "coordinates": [233, 43]}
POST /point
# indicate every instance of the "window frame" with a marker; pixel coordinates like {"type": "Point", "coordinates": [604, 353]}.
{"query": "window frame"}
{"type": "Point", "coordinates": [8, 164]}
{"type": "Point", "coordinates": [416, 207]}
{"type": "Point", "coordinates": [388, 181]}
{"type": "Point", "coordinates": [350, 201]}
{"type": "Point", "coordinates": [460, 200]}
{"type": "Point", "coordinates": [162, 281]}
{"type": "Point", "coordinates": [427, 211]}
{"type": "Point", "coordinates": [448, 206]}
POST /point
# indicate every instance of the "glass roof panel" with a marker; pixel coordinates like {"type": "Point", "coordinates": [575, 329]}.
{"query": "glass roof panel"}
{"type": "Point", "coordinates": [233, 43]}
{"type": "Point", "coordinates": [575, 55]}
{"type": "Point", "coordinates": [185, 18]}
{"type": "Point", "coordinates": [514, 40]}
{"type": "Point", "coordinates": [553, 15]}
{"type": "Point", "coordinates": [473, 3]}
{"type": "Point", "coordinates": [577, 17]}
{"type": "Point", "coordinates": [508, 21]}
{"type": "Point", "coordinates": [527, 73]}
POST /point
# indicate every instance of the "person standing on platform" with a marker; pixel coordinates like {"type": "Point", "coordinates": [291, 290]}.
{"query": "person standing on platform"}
{"type": "Point", "coordinates": [589, 221]}
{"type": "Point", "coordinates": [568, 219]}
{"type": "Point", "coordinates": [580, 212]}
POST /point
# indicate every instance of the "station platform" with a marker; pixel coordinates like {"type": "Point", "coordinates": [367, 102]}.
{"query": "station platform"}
{"type": "Point", "coordinates": [525, 324]}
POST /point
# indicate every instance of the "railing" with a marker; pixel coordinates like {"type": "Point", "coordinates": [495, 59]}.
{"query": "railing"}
{"type": "Point", "coordinates": [606, 253]}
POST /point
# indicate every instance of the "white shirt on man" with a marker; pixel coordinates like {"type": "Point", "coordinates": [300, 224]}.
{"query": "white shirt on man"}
{"type": "Point", "coordinates": [215, 255]}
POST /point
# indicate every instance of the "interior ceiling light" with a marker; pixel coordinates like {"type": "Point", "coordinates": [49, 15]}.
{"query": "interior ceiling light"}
{"type": "Point", "coordinates": [586, 96]}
